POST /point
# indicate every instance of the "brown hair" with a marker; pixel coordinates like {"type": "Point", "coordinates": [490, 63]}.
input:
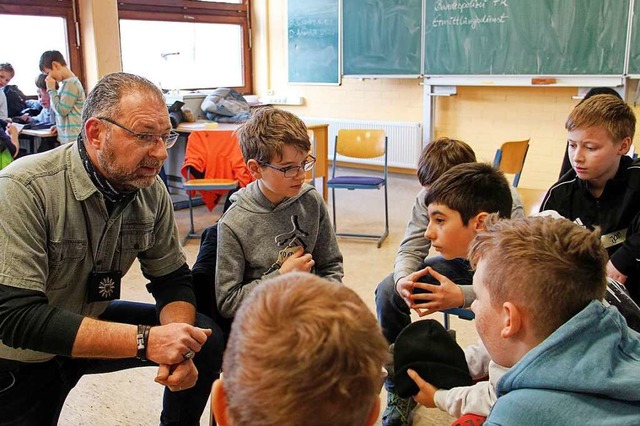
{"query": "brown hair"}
{"type": "Point", "coordinates": [303, 351]}
{"type": "Point", "coordinates": [49, 57]}
{"type": "Point", "coordinates": [551, 268]}
{"type": "Point", "coordinates": [8, 68]}
{"type": "Point", "coordinates": [267, 131]}
{"type": "Point", "coordinates": [607, 111]}
{"type": "Point", "coordinates": [439, 156]}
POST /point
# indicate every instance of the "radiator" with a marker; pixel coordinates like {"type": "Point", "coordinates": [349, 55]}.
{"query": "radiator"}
{"type": "Point", "coordinates": [404, 140]}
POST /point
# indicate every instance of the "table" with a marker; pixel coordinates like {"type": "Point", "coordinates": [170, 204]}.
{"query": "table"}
{"type": "Point", "coordinates": [35, 137]}
{"type": "Point", "coordinates": [320, 133]}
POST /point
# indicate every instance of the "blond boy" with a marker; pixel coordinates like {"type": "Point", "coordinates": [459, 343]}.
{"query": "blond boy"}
{"type": "Point", "coordinates": [538, 286]}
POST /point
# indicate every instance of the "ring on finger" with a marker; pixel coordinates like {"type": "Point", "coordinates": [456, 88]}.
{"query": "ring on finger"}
{"type": "Point", "coordinates": [189, 355]}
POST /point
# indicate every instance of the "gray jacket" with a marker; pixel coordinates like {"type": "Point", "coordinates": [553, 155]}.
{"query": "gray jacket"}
{"type": "Point", "coordinates": [255, 236]}
{"type": "Point", "coordinates": [49, 207]}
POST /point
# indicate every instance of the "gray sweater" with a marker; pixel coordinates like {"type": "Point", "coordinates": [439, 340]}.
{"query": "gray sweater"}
{"type": "Point", "coordinates": [255, 235]}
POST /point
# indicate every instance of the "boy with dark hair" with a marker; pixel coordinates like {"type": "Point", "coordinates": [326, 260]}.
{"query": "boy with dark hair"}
{"type": "Point", "coordinates": [571, 360]}
{"type": "Point", "coordinates": [46, 115]}
{"type": "Point", "coordinates": [411, 261]}
{"type": "Point", "coordinates": [603, 189]}
{"type": "Point", "coordinates": [277, 223]}
{"type": "Point", "coordinates": [304, 351]}
{"type": "Point", "coordinates": [68, 100]}
{"type": "Point", "coordinates": [457, 204]}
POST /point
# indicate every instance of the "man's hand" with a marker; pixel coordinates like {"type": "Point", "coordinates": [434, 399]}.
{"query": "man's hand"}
{"type": "Point", "coordinates": [53, 130]}
{"type": "Point", "coordinates": [426, 395]}
{"type": "Point", "coordinates": [177, 377]}
{"type": "Point", "coordinates": [168, 344]}
{"type": "Point", "coordinates": [612, 272]}
{"type": "Point", "coordinates": [298, 261]}
{"type": "Point", "coordinates": [438, 297]}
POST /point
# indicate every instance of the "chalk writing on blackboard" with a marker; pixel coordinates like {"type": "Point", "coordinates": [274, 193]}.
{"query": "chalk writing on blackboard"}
{"type": "Point", "coordinates": [312, 35]}
{"type": "Point", "coordinates": [467, 14]}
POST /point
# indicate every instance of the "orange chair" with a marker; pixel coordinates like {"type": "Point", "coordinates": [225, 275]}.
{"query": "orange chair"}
{"type": "Point", "coordinates": [510, 158]}
{"type": "Point", "coordinates": [360, 143]}
{"type": "Point", "coordinates": [216, 156]}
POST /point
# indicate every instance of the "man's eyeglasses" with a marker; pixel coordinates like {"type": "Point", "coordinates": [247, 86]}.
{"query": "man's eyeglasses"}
{"type": "Point", "coordinates": [293, 171]}
{"type": "Point", "coordinates": [148, 139]}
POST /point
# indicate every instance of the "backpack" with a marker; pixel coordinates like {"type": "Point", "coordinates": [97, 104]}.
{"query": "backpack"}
{"type": "Point", "coordinates": [16, 100]}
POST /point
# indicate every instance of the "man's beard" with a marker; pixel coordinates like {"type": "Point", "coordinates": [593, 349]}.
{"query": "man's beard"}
{"type": "Point", "coordinates": [122, 179]}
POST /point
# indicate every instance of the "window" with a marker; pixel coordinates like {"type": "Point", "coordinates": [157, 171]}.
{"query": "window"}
{"type": "Point", "coordinates": [32, 28]}
{"type": "Point", "coordinates": [187, 44]}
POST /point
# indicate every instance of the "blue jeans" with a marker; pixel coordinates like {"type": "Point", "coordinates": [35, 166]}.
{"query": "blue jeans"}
{"type": "Point", "coordinates": [34, 393]}
{"type": "Point", "coordinates": [394, 314]}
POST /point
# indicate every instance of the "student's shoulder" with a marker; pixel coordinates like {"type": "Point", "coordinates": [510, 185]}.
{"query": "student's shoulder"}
{"type": "Point", "coordinates": [525, 406]}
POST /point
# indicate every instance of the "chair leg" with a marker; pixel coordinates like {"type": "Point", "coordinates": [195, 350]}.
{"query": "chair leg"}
{"type": "Point", "coordinates": [386, 218]}
{"type": "Point", "coordinates": [333, 205]}
{"type": "Point", "coordinates": [516, 179]}
{"type": "Point", "coordinates": [192, 230]}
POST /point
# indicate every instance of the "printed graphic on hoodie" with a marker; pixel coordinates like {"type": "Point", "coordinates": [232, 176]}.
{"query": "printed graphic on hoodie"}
{"type": "Point", "coordinates": [290, 242]}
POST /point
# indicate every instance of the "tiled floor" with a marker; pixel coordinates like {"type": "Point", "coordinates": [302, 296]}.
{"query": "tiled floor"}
{"type": "Point", "coordinates": [132, 397]}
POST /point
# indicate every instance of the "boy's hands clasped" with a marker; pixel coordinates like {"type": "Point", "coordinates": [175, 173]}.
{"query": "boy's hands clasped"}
{"type": "Point", "coordinates": [435, 298]}
{"type": "Point", "coordinates": [172, 347]}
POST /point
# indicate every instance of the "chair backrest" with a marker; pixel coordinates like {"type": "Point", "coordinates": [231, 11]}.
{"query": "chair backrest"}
{"type": "Point", "coordinates": [360, 143]}
{"type": "Point", "coordinates": [511, 155]}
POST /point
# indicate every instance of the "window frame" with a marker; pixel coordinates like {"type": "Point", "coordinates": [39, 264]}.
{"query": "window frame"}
{"type": "Point", "coordinates": [200, 12]}
{"type": "Point", "coordinates": [61, 8]}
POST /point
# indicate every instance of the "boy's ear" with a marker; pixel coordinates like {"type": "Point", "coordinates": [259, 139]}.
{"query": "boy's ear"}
{"type": "Point", "coordinates": [254, 168]}
{"type": "Point", "coordinates": [625, 145]}
{"type": "Point", "coordinates": [478, 221]}
{"type": "Point", "coordinates": [511, 320]}
{"type": "Point", "coordinates": [219, 403]}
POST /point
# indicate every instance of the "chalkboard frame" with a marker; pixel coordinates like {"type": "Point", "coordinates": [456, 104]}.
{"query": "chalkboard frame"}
{"type": "Point", "coordinates": [633, 34]}
{"type": "Point", "coordinates": [335, 72]}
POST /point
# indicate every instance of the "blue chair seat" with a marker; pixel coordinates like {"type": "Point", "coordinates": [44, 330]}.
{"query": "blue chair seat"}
{"type": "Point", "coordinates": [360, 182]}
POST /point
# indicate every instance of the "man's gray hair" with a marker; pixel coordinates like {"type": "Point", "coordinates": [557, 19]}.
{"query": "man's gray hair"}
{"type": "Point", "coordinates": [104, 99]}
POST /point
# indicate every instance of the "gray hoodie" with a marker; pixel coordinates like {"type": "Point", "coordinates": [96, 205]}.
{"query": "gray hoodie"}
{"type": "Point", "coordinates": [255, 236]}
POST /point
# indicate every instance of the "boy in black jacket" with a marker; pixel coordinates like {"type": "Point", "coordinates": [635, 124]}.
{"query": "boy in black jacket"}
{"type": "Point", "coordinates": [603, 188]}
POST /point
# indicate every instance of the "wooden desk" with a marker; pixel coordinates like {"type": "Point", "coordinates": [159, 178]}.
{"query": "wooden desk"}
{"type": "Point", "coordinates": [320, 132]}
{"type": "Point", "coordinates": [35, 137]}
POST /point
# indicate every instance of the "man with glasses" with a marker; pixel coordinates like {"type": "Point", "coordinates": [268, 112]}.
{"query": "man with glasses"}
{"type": "Point", "coordinates": [71, 224]}
{"type": "Point", "coordinates": [278, 223]}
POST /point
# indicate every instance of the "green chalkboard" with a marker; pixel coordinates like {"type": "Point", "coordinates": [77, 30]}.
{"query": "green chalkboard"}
{"type": "Point", "coordinates": [522, 37]}
{"type": "Point", "coordinates": [634, 48]}
{"type": "Point", "coordinates": [313, 40]}
{"type": "Point", "coordinates": [381, 37]}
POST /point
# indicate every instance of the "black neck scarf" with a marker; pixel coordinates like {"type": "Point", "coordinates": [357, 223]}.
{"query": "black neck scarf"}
{"type": "Point", "coordinates": [111, 194]}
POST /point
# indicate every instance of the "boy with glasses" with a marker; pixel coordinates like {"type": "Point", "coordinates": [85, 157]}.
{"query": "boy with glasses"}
{"type": "Point", "coordinates": [276, 224]}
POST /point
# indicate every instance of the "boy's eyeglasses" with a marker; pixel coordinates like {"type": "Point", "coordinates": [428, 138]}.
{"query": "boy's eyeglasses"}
{"type": "Point", "coordinates": [148, 139]}
{"type": "Point", "coordinates": [293, 171]}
